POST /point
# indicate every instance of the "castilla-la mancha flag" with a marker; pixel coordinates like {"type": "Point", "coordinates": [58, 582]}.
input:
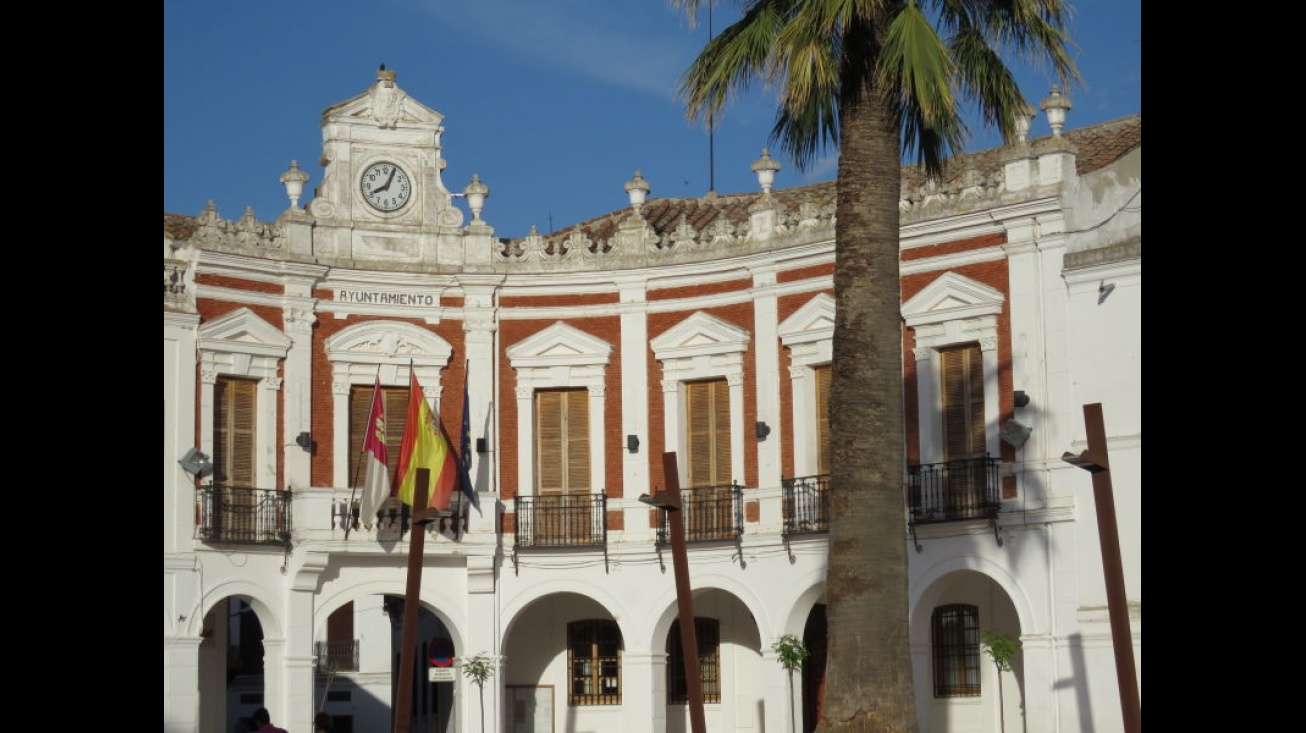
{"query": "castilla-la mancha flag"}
{"type": "Point", "coordinates": [424, 446]}
{"type": "Point", "coordinates": [376, 484]}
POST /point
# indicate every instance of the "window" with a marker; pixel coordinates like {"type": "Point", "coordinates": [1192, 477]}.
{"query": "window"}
{"type": "Point", "coordinates": [562, 441]}
{"type": "Point", "coordinates": [963, 425]}
{"type": "Point", "coordinates": [594, 658]}
{"type": "Point", "coordinates": [233, 431]}
{"type": "Point", "coordinates": [709, 511]}
{"type": "Point", "coordinates": [708, 404]}
{"type": "Point", "coordinates": [822, 374]}
{"type": "Point", "coordinates": [954, 639]}
{"type": "Point", "coordinates": [562, 509]}
{"type": "Point", "coordinates": [708, 633]}
{"type": "Point", "coordinates": [396, 415]}
{"type": "Point", "coordinates": [963, 402]}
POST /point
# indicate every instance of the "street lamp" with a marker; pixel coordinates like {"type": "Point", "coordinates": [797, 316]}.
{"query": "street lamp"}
{"type": "Point", "coordinates": [669, 501]}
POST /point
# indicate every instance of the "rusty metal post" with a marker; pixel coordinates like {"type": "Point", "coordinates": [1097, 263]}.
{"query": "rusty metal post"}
{"type": "Point", "coordinates": [1095, 461]}
{"type": "Point", "coordinates": [684, 596]}
{"type": "Point", "coordinates": [402, 715]}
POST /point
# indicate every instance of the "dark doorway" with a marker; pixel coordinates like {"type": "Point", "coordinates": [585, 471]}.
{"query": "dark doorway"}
{"type": "Point", "coordinates": [814, 668]}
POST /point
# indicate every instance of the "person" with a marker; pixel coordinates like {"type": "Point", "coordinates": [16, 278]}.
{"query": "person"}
{"type": "Point", "coordinates": [264, 722]}
{"type": "Point", "coordinates": [323, 723]}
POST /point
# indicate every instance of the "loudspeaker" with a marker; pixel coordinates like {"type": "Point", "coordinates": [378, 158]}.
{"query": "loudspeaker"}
{"type": "Point", "coordinates": [1014, 433]}
{"type": "Point", "coordinates": [196, 463]}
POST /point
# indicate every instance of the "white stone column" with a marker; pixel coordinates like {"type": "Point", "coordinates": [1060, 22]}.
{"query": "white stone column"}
{"type": "Point", "coordinates": [179, 341]}
{"type": "Point", "coordinates": [766, 345]}
{"type": "Point", "coordinates": [481, 331]}
{"type": "Point", "coordinates": [644, 692]}
{"type": "Point", "coordinates": [634, 403]}
{"type": "Point", "coordinates": [298, 393]}
{"type": "Point", "coordinates": [292, 656]}
{"type": "Point", "coordinates": [181, 695]}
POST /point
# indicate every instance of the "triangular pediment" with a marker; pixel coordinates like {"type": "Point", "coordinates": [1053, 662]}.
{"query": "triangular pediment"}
{"type": "Point", "coordinates": [374, 339]}
{"type": "Point", "coordinates": [814, 321]}
{"type": "Point", "coordinates": [559, 344]}
{"type": "Point", "coordinates": [952, 297]}
{"type": "Point", "coordinates": [242, 331]}
{"type": "Point", "coordinates": [392, 104]}
{"type": "Point", "coordinates": [697, 335]}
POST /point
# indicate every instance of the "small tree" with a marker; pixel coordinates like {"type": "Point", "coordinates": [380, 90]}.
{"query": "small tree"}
{"type": "Point", "coordinates": [479, 668]}
{"type": "Point", "coordinates": [791, 653]}
{"type": "Point", "coordinates": [1002, 649]}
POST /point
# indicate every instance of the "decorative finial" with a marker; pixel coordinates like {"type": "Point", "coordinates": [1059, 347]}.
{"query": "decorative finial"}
{"type": "Point", "coordinates": [1056, 107]}
{"type": "Point", "coordinates": [294, 180]}
{"type": "Point", "coordinates": [476, 193]}
{"type": "Point", "coordinates": [765, 169]}
{"type": "Point", "coordinates": [387, 77]}
{"type": "Point", "coordinates": [1024, 117]}
{"type": "Point", "coordinates": [637, 188]}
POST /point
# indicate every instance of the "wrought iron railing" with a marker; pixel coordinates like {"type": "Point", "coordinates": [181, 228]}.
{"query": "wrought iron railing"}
{"type": "Point", "coordinates": [577, 520]}
{"type": "Point", "coordinates": [243, 515]}
{"type": "Point", "coordinates": [710, 513]}
{"type": "Point", "coordinates": [953, 491]}
{"type": "Point", "coordinates": [337, 656]}
{"type": "Point", "coordinates": [806, 503]}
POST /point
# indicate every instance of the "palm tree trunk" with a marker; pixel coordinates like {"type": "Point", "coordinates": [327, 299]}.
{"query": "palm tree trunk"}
{"type": "Point", "coordinates": [869, 683]}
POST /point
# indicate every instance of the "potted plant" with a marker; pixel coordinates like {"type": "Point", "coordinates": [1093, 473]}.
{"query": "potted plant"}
{"type": "Point", "coordinates": [479, 668]}
{"type": "Point", "coordinates": [1002, 649]}
{"type": "Point", "coordinates": [790, 652]}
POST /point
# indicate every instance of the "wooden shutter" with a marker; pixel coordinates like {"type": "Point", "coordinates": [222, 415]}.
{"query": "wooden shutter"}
{"type": "Point", "coordinates": [396, 416]}
{"type": "Point", "coordinates": [963, 403]}
{"type": "Point", "coordinates": [708, 441]}
{"type": "Point", "coordinates": [562, 441]}
{"type": "Point", "coordinates": [822, 374]}
{"type": "Point", "coordinates": [235, 401]}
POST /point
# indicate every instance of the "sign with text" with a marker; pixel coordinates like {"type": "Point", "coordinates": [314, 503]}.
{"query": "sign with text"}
{"type": "Point", "coordinates": [440, 674]}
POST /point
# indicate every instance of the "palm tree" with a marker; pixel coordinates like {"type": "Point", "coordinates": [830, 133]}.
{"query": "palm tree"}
{"type": "Point", "coordinates": [877, 78]}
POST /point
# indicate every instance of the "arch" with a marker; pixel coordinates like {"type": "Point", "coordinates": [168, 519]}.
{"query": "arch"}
{"type": "Point", "coordinates": [928, 580]}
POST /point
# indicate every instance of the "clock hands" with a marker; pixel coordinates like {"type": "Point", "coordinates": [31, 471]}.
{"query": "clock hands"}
{"type": "Point", "coordinates": [388, 181]}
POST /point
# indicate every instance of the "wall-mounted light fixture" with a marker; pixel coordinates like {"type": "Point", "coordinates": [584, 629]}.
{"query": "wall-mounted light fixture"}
{"type": "Point", "coordinates": [482, 445]}
{"type": "Point", "coordinates": [763, 430]}
{"type": "Point", "coordinates": [304, 440]}
{"type": "Point", "coordinates": [196, 463]}
{"type": "Point", "coordinates": [632, 443]}
{"type": "Point", "coordinates": [1022, 398]}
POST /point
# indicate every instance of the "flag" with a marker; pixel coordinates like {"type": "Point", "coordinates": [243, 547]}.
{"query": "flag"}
{"type": "Point", "coordinates": [424, 446]}
{"type": "Point", "coordinates": [465, 446]}
{"type": "Point", "coordinates": [376, 485]}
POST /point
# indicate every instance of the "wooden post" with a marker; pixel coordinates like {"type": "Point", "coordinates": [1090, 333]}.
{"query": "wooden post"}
{"type": "Point", "coordinates": [402, 715]}
{"type": "Point", "coordinates": [1095, 461]}
{"type": "Point", "coordinates": [684, 596]}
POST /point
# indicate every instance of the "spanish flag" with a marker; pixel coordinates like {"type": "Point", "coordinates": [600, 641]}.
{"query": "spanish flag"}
{"type": "Point", "coordinates": [424, 446]}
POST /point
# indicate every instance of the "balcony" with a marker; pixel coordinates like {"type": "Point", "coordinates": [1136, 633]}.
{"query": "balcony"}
{"type": "Point", "coordinates": [242, 515]}
{"type": "Point", "coordinates": [953, 491]}
{"type": "Point", "coordinates": [710, 513]}
{"type": "Point", "coordinates": [561, 520]}
{"type": "Point", "coordinates": [806, 504]}
{"type": "Point", "coordinates": [337, 656]}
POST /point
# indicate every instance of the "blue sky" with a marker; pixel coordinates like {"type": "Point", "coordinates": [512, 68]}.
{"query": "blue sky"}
{"type": "Point", "coordinates": [553, 103]}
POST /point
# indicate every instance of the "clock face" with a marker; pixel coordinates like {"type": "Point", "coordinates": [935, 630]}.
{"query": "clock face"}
{"type": "Point", "coordinates": [385, 186]}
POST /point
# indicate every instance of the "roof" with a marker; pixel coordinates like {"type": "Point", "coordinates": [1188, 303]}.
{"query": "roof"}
{"type": "Point", "coordinates": [1096, 146]}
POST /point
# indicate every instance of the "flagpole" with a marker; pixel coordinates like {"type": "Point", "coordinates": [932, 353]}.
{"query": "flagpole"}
{"type": "Point", "coordinates": [362, 455]}
{"type": "Point", "coordinates": [422, 514]}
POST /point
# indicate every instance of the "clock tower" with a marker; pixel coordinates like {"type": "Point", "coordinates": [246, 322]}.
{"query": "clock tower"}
{"type": "Point", "coordinates": [382, 198]}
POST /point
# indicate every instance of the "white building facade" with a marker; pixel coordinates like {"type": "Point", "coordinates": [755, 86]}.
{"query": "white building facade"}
{"type": "Point", "coordinates": [699, 327]}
